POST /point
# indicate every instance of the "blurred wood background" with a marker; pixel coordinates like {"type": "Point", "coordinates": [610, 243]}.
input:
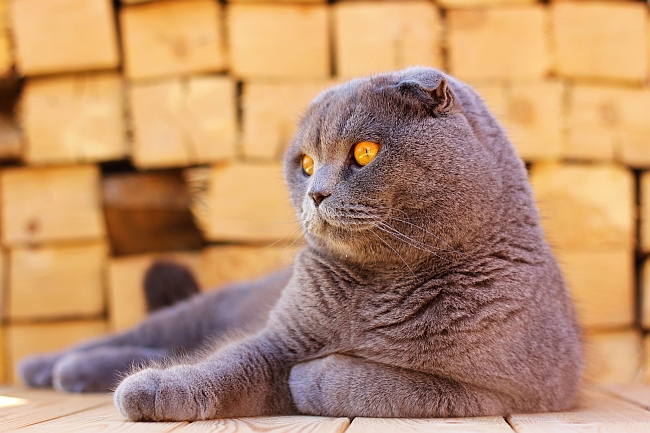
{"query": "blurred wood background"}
{"type": "Point", "coordinates": [141, 129]}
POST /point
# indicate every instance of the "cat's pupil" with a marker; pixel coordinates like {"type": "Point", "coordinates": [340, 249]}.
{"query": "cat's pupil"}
{"type": "Point", "coordinates": [365, 151]}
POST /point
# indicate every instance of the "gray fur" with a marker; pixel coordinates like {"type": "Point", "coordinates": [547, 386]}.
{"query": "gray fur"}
{"type": "Point", "coordinates": [426, 288]}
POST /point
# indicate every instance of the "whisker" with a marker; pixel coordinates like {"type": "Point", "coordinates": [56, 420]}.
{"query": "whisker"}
{"type": "Point", "coordinates": [407, 240]}
{"type": "Point", "coordinates": [286, 237]}
{"type": "Point", "coordinates": [428, 232]}
{"type": "Point", "coordinates": [395, 251]}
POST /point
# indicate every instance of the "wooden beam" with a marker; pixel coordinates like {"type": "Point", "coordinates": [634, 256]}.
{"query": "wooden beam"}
{"type": "Point", "coordinates": [236, 208]}
{"type": "Point", "coordinates": [385, 36]}
{"type": "Point", "coordinates": [51, 204]}
{"type": "Point", "coordinates": [271, 111]}
{"type": "Point", "coordinates": [54, 36]}
{"type": "Point", "coordinates": [74, 118]}
{"type": "Point", "coordinates": [42, 337]}
{"type": "Point", "coordinates": [259, 50]}
{"type": "Point", "coordinates": [172, 38]}
{"type": "Point", "coordinates": [600, 40]}
{"type": "Point", "coordinates": [57, 282]}
{"type": "Point", "coordinates": [183, 121]}
{"type": "Point", "coordinates": [585, 206]}
{"type": "Point", "coordinates": [505, 43]}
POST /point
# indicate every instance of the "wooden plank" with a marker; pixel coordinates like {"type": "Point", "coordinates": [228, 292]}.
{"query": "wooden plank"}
{"type": "Point", "coordinates": [74, 118]}
{"type": "Point", "coordinates": [504, 43]}
{"type": "Point", "coordinates": [279, 424]}
{"type": "Point", "coordinates": [23, 340]}
{"type": "Point", "coordinates": [385, 36]}
{"type": "Point", "coordinates": [172, 38]}
{"type": "Point", "coordinates": [597, 412]}
{"type": "Point", "coordinates": [182, 122]}
{"type": "Point", "coordinates": [104, 418]}
{"type": "Point", "coordinates": [271, 112]}
{"type": "Point", "coordinates": [607, 122]}
{"type": "Point", "coordinates": [228, 264]}
{"type": "Point", "coordinates": [237, 209]}
{"type": "Point", "coordinates": [50, 204]}
{"type": "Point", "coordinates": [126, 299]}
{"type": "Point", "coordinates": [600, 40]}
{"type": "Point", "coordinates": [585, 206]}
{"type": "Point", "coordinates": [613, 356]}
{"type": "Point", "coordinates": [259, 50]}
{"type": "Point", "coordinates": [388, 425]}
{"type": "Point", "coordinates": [43, 411]}
{"type": "Point", "coordinates": [55, 282]}
{"type": "Point", "coordinates": [601, 284]}
{"type": "Point", "coordinates": [53, 36]}
{"type": "Point", "coordinates": [531, 113]}
{"type": "Point", "coordinates": [637, 394]}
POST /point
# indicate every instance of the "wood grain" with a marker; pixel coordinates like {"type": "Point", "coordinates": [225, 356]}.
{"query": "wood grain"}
{"type": "Point", "coordinates": [637, 394]}
{"type": "Point", "coordinates": [50, 204]}
{"type": "Point", "coordinates": [73, 118]}
{"type": "Point", "coordinates": [53, 36]}
{"type": "Point", "coordinates": [172, 38]}
{"type": "Point", "coordinates": [23, 340]}
{"type": "Point", "coordinates": [375, 37]}
{"type": "Point", "coordinates": [56, 282]}
{"type": "Point", "coordinates": [389, 425]}
{"type": "Point", "coordinates": [45, 406]}
{"type": "Point", "coordinates": [276, 424]}
{"type": "Point", "coordinates": [104, 418]}
{"type": "Point", "coordinates": [597, 412]}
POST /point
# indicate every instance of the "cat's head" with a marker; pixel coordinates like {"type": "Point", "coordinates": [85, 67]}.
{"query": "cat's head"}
{"type": "Point", "coordinates": [387, 169]}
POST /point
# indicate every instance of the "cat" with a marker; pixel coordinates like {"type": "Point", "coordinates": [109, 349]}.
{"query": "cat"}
{"type": "Point", "coordinates": [426, 288]}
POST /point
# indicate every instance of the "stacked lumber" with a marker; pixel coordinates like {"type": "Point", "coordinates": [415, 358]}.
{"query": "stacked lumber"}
{"type": "Point", "coordinates": [154, 129]}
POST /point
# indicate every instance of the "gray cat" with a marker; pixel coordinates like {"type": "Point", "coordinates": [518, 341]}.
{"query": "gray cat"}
{"type": "Point", "coordinates": [426, 288]}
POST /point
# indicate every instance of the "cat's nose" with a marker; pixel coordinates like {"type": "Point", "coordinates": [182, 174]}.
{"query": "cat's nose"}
{"type": "Point", "coordinates": [318, 197]}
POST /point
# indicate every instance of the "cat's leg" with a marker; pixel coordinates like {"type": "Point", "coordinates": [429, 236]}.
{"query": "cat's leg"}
{"type": "Point", "coordinates": [247, 378]}
{"type": "Point", "coordinates": [185, 326]}
{"type": "Point", "coordinates": [101, 369]}
{"type": "Point", "coordinates": [340, 385]}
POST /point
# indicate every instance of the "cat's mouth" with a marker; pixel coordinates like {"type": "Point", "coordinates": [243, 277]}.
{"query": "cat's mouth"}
{"type": "Point", "coordinates": [327, 220]}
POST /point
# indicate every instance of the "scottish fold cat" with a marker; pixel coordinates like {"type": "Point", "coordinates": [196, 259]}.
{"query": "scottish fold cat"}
{"type": "Point", "coordinates": [426, 288]}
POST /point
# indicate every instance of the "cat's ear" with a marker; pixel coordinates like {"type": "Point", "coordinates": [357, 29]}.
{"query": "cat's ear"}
{"type": "Point", "coordinates": [433, 92]}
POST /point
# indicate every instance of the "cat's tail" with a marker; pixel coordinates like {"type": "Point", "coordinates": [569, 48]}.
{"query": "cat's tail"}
{"type": "Point", "coordinates": [167, 283]}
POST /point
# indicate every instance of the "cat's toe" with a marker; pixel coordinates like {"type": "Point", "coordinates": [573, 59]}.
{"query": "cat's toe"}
{"type": "Point", "coordinates": [79, 372]}
{"type": "Point", "coordinates": [135, 397]}
{"type": "Point", "coordinates": [36, 371]}
{"type": "Point", "coordinates": [157, 395]}
{"type": "Point", "coordinates": [304, 383]}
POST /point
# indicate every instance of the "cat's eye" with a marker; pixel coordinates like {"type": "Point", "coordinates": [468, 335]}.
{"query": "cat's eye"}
{"type": "Point", "coordinates": [308, 165]}
{"type": "Point", "coordinates": [365, 152]}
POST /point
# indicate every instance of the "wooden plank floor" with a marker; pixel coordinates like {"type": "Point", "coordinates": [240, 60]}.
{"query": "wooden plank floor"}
{"type": "Point", "coordinates": [604, 409]}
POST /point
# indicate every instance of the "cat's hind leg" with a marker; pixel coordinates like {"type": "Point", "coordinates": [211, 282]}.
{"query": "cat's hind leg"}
{"type": "Point", "coordinates": [101, 369]}
{"type": "Point", "coordinates": [340, 385]}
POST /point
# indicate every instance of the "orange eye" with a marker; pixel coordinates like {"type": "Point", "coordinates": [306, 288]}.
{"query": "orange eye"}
{"type": "Point", "coordinates": [365, 152]}
{"type": "Point", "coordinates": [308, 165]}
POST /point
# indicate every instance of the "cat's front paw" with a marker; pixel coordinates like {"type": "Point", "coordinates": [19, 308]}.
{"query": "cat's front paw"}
{"type": "Point", "coordinates": [159, 395]}
{"type": "Point", "coordinates": [83, 372]}
{"type": "Point", "coordinates": [36, 370]}
{"type": "Point", "coordinates": [305, 385]}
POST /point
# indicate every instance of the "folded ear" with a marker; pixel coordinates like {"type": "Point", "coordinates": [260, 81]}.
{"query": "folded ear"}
{"type": "Point", "coordinates": [430, 89]}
